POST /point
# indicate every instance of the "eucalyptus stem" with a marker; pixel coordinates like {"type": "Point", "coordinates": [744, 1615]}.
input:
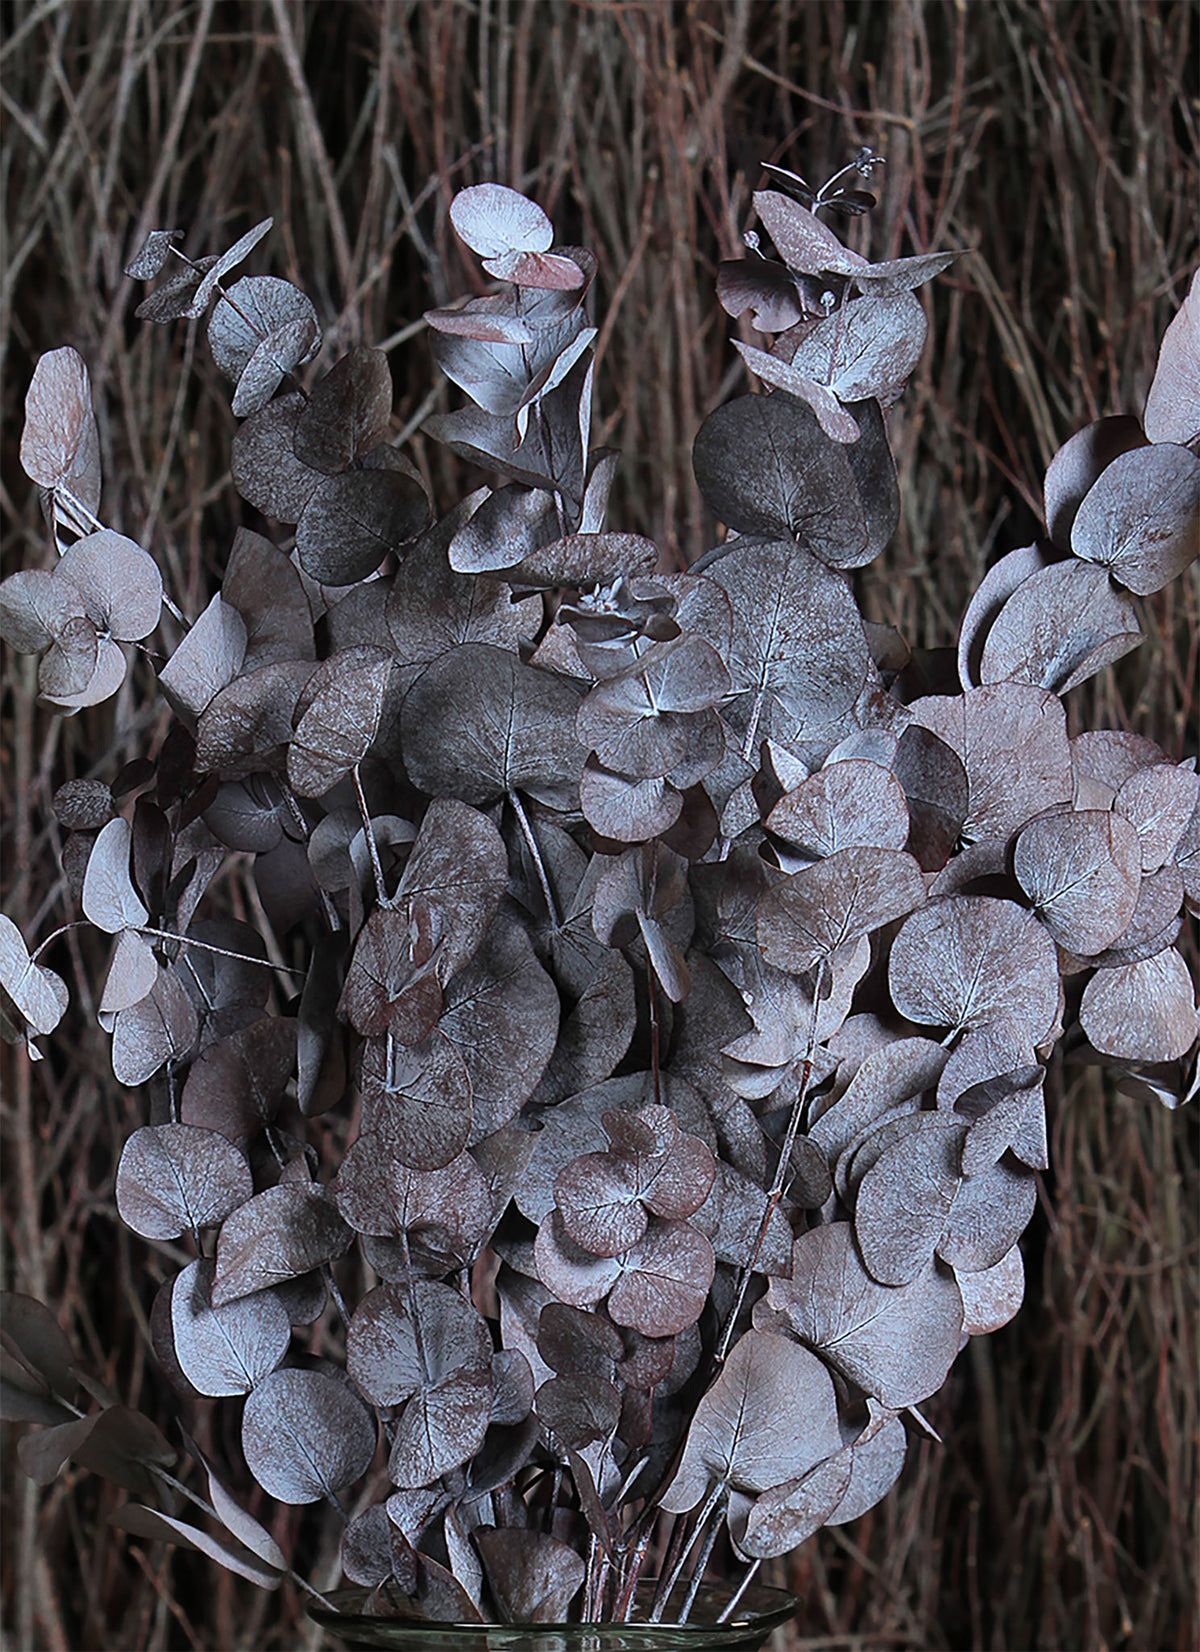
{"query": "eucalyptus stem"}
{"type": "Point", "coordinates": [623, 1604]}
{"type": "Point", "coordinates": [775, 1192]}
{"type": "Point", "coordinates": [206, 946]}
{"type": "Point", "coordinates": [731, 1605]}
{"type": "Point", "coordinates": [411, 1288]}
{"type": "Point", "coordinates": [376, 863]}
{"type": "Point", "coordinates": [336, 1294]}
{"type": "Point", "coordinates": [627, 1483]}
{"type": "Point", "coordinates": [655, 1069]}
{"type": "Point", "coordinates": [699, 1568]}
{"type": "Point", "coordinates": [531, 843]}
{"type": "Point", "coordinates": [714, 1501]}
{"type": "Point", "coordinates": [752, 725]}
{"type": "Point", "coordinates": [77, 923]}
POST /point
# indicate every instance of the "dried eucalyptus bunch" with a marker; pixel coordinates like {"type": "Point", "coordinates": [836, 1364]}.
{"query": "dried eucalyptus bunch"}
{"type": "Point", "coordinates": [677, 960]}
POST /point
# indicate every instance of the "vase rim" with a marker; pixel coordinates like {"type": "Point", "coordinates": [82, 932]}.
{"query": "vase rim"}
{"type": "Point", "coordinates": [774, 1606]}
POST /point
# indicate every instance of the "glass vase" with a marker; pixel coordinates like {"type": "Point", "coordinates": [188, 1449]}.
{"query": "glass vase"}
{"type": "Point", "coordinates": [757, 1613]}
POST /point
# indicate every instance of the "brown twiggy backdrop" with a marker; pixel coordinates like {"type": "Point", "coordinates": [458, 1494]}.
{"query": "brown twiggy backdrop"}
{"type": "Point", "coordinates": [1059, 143]}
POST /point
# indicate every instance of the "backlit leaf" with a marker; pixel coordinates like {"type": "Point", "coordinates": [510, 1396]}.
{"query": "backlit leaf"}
{"type": "Point", "coordinates": [352, 521]}
{"type": "Point", "coordinates": [765, 466]}
{"type": "Point", "coordinates": [391, 1356]}
{"type": "Point", "coordinates": [226, 261]}
{"type": "Point", "coordinates": [345, 701]}
{"type": "Point", "coordinates": [971, 959]}
{"type": "Point", "coordinates": [38, 993]}
{"type": "Point", "coordinates": [263, 462]}
{"type": "Point", "coordinates": [1141, 519]}
{"type": "Point", "coordinates": [898, 1343]}
{"type": "Point", "coordinates": [533, 1575]}
{"type": "Point", "coordinates": [276, 1236]}
{"type": "Point", "coordinates": [807, 917]}
{"type": "Point", "coordinates": [798, 657]}
{"type": "Point", "coordinates": [60, 444]}
{"type": "Point", "coordinates": [35, 608]}
{"type": "Point", "coordinates": [274, 358]}
{"type": "Point", "coordinates": [788, 1515]}
{"type": "Point", "coordinates": [803, 240]}
{"type": "Point", "coordinates": [1082, 872]}
{"type": "Point", "coordinates": [869, 348]}
{"type": "Point", "coordinates": [1077, 465]}
{"type": "Point", "coordinates": [1173, 405]}
{"type": "Point", "coordinates": [1012, 741]}
{"type": "Point", "coordinates": [173, 1178]}
{"type": "Point", "coordinates": [493, 220]}
{"type": "Point", "coordinates": [225, 1350]}
{"type": "Point", "coordinates": [770, 1415]}
{"type": "Point", "coordinates": [1142, 1012]}
{"type": "Point", "coordinates": [501, 1014]}
{"type": "Point", "coordinates": [120, 584]}
{"type": "Point", "coordinates": [158, 1028]}
{"type": "Point", "coordinates": [206, 661]}
{"type": "Point", "coordinates": [833, 418]}
{"type": "Point", "coordinates": [904, 1200]}
{"type": "Point", "coordinates": [255, 307]}
{"type": "Point", "coordinates": [479, 724]}
{"type": "Point", "coordinates": [306, 1435]}
{"type": "Point", "coordinates": [1159, 801]}
{"type": "Point", "coordinates": [845, 805]}
{"type": "Point", "coordinates": [1061, 626]}
{"type": "Point", "coordinates": [348, 413]}
{"type": "Point", "coordinates": [992, 1295]}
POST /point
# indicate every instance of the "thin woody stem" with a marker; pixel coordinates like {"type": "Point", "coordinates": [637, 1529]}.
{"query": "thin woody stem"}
{"type": "Point", "coordinates": [376, 864]}
{"type": "Point", "coordinates": [775, 1192]}
{"type": "Point", "coordinates": [531, 843]}
{"type": "Point", "coordinates": [77, 923]}
{"type": "Point", "coordinates": [714, 1502]}
{"type": "Point", "coordinates": [623, 1605]}
{"type": "Point", "coordinates": [731, 1604]}
{"type": "Point", "coordinates": [752, 726]}
{"type": "Point", "coordinates": [206, 946]}
{"type": "Point", "coordinates": [699, 1568]}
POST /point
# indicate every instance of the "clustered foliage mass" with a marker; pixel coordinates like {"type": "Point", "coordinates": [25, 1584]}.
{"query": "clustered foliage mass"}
{"type": "Point", "coordinates": [688, 953]}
